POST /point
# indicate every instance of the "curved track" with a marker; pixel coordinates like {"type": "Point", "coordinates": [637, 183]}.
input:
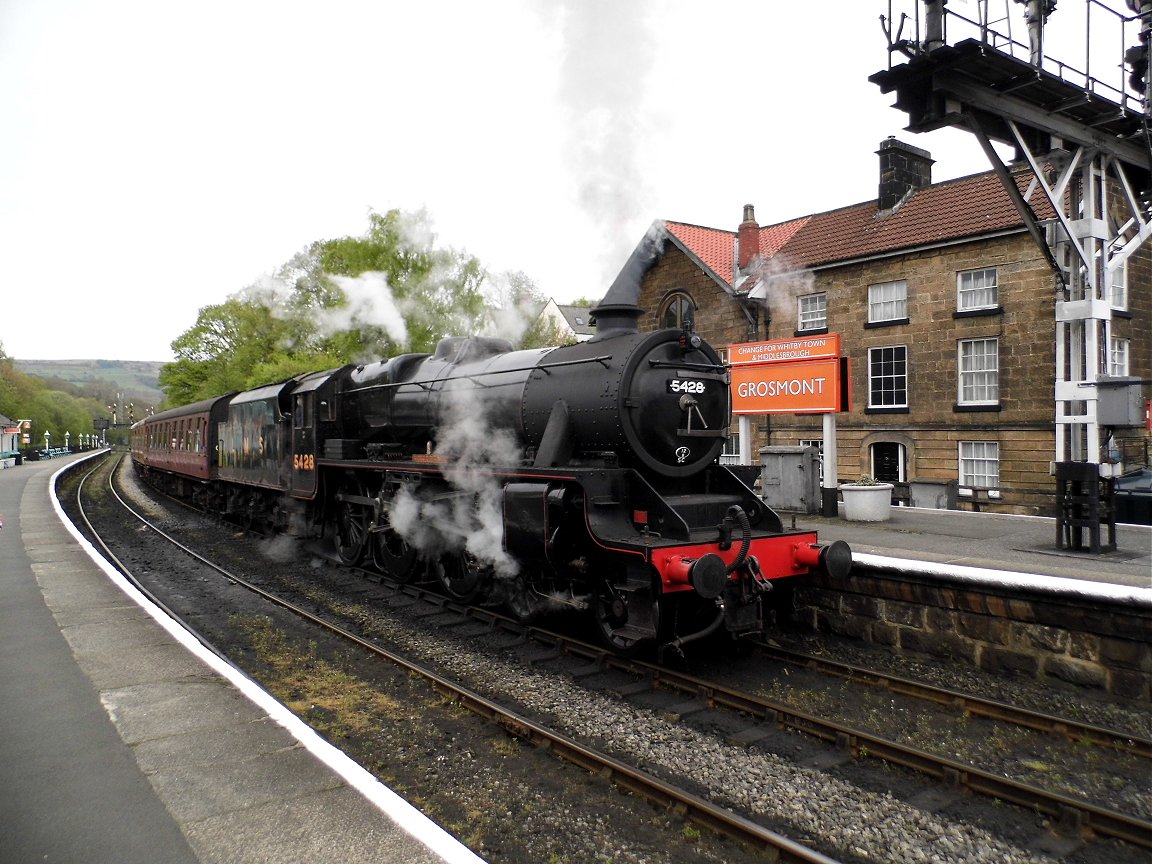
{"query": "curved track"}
{"type": "Point", "coordinates": [761, 718]}
{"type": "Point", "coordinates": [678, 800]}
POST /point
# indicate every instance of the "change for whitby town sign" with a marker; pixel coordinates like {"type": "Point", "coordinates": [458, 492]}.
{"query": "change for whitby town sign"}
{"type": "Point", "coordinates": [804, 375]}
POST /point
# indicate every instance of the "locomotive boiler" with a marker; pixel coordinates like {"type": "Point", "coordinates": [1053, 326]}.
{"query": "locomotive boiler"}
{"type": "Point", "coordinates": [580, 477]}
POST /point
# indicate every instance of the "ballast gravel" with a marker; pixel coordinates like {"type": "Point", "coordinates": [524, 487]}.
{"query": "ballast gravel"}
{"type": "Point", "coordinates": [807, 805]}
{"type": "Point", "coordinates": [804, 804]}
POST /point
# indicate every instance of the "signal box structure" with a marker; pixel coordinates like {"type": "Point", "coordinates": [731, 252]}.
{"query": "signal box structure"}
{"type": "Point", "coordinates": [1086, 140]}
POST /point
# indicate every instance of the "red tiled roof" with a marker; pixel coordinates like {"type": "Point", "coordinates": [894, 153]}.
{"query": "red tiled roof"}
{"type": "Point", "coordinates": [967, 207]}
{"type": "Point", "coordinates": [712, 246]}
{"type": "Point", "coordinates": [774, 237]}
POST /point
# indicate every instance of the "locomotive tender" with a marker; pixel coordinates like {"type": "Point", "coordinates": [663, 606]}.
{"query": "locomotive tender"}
{"type": "Point", "coordinates": [582, 476]}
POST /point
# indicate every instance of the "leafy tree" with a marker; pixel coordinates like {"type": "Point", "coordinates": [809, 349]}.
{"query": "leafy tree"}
{"type": "Point", "coordinates": [238, 344]}
{"type": "Point", "coordinates": [386, 291]}
{"type": "Point", "coordinates": [53, 408]}
{"type": "Point", "coordinates": [543, 333]}
{"type": "Point", "coordinates": [352, 299]}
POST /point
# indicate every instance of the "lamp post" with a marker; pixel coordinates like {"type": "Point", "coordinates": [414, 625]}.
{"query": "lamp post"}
{"type": "Point", "coordinates": [67, 440]}
{"type": "Point", "coordinates": [47, 438]}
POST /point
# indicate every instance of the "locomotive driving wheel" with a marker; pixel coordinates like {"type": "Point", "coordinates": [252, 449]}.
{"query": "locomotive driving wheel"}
{"type": "Point", "coordinates": [393, 554]}
{"type": "Point", "coordinates": [626, 620]}
{"type": "Point", "coordinates": [522, 601]}
{"type": "Point", "coordinates": [459, 574]}
{"type": "Point", "coordinates": [352, 521]}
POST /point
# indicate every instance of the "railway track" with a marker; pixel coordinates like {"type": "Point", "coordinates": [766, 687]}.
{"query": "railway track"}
{"type": "Point", "coordinates": [965, 703]}
{"type": "Point", "coordinates": [667, 795]}
{"type": "Point", "coordinates": [761, 718]}
{"type": "Point", "coordinates": [766, 717]}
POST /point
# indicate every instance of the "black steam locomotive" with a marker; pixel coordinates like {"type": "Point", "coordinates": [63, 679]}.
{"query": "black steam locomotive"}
{"type": "Point", "coordinates": [582, 476]}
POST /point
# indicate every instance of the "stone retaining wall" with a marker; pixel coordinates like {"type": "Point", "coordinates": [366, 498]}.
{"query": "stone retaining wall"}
{"type": "Point", "coordinates": [1048, 636]}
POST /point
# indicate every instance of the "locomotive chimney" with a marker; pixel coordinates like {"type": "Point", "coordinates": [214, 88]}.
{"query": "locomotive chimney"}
{"type": "Point", "coordinates": [619, 311]}
{"type": "Point", "coordinates": [903, 168]}
{"type": "Point", "coordinates": [747, 239]}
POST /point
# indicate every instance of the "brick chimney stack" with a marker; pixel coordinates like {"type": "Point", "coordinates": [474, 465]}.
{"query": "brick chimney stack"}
{"type": "Point", "coordinates": [747, 239]}
{"type": "Point", "coordinates": [902, 169]}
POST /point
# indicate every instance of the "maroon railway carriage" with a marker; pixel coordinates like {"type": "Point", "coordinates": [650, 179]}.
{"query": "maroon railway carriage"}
{"type": "Point", "coordinates": [179, 443]}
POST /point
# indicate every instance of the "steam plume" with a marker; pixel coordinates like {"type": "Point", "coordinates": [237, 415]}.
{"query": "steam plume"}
{"type": "Point", "coordinates": [369, 303]}
{"type": "Point", "coordinates": [609, 51]}
{"type": "Point", "coordinates": [471, 518]}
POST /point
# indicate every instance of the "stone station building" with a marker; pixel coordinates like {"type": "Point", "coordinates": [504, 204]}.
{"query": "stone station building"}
{"type": "Point", "coordinates": [945, 306]}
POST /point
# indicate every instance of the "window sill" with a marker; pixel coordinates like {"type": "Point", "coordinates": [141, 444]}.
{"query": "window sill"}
{"type": "Point", "coordinates": [978, 313]}
{"type": "Point", "coordinates": [961, 408]}
{"type": "Point", "coordinates": [895, 322]}
{"type": "Point", "coordinates": [887, 410]}
{"type": "Point", "coordinates": [815, 331]}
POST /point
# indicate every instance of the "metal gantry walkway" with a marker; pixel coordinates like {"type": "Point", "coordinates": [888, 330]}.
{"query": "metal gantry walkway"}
{"type": "Point", "coordinates": [1088, 144]}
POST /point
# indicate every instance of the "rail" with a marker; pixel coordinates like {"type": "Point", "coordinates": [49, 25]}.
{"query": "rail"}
{"type": "Point", "coordinates": [669, 796]}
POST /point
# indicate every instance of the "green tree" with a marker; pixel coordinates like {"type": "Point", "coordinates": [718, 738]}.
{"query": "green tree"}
{"type": "Point", "coordinates": [436, 292]}
{"type": "Point", "coordinates": [53, 408]}
{"type": "Point", "coordinates": [351, 299]}
{"type": "Point", "coordinates": [235, 345]}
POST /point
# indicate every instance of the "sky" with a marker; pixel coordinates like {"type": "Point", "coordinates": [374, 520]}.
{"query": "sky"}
{"type": "Point", "coordinates": [158, 157]}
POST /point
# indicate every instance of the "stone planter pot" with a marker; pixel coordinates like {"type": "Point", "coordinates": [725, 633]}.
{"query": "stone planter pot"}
{"type": "Point", "coordinates": [867, 503]}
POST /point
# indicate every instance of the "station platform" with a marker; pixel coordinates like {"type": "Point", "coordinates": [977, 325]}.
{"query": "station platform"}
{"type": "Point", "coordinates": [991, 546]}
{"type": "Point", "coordinates": [125, 740]}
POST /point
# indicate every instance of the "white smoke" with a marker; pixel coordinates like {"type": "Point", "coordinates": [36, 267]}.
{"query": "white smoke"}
{"type": "Point", "coordinates": [514, 305]}
{"type": "Point", "coordinates": [609, 50]}
{"type": "Point", "coordinates": [280, 549]}
{"type": "Point", "coordinates": [469, 519]}
{"type": "Point", "coordinates": [369, 303]}
{"type": "Point", "coordinates": [778, 284]}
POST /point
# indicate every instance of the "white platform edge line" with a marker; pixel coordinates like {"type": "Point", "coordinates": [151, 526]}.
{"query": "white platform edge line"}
{"type": "Point", "coordinates": [406, 816]}
{"type": "Point", "coordinates": [1011, 579]}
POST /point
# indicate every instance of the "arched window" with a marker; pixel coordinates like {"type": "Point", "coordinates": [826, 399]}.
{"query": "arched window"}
{"type": "Point", "coordinates": [678, 311]}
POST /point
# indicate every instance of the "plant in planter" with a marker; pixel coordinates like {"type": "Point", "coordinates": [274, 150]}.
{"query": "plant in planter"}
{"type": "Point", "coordinates": [867, 500]}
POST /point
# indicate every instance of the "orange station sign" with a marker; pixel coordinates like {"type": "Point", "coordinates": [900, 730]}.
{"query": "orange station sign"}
{"type": "Point", "coordinates": [804, 375]}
